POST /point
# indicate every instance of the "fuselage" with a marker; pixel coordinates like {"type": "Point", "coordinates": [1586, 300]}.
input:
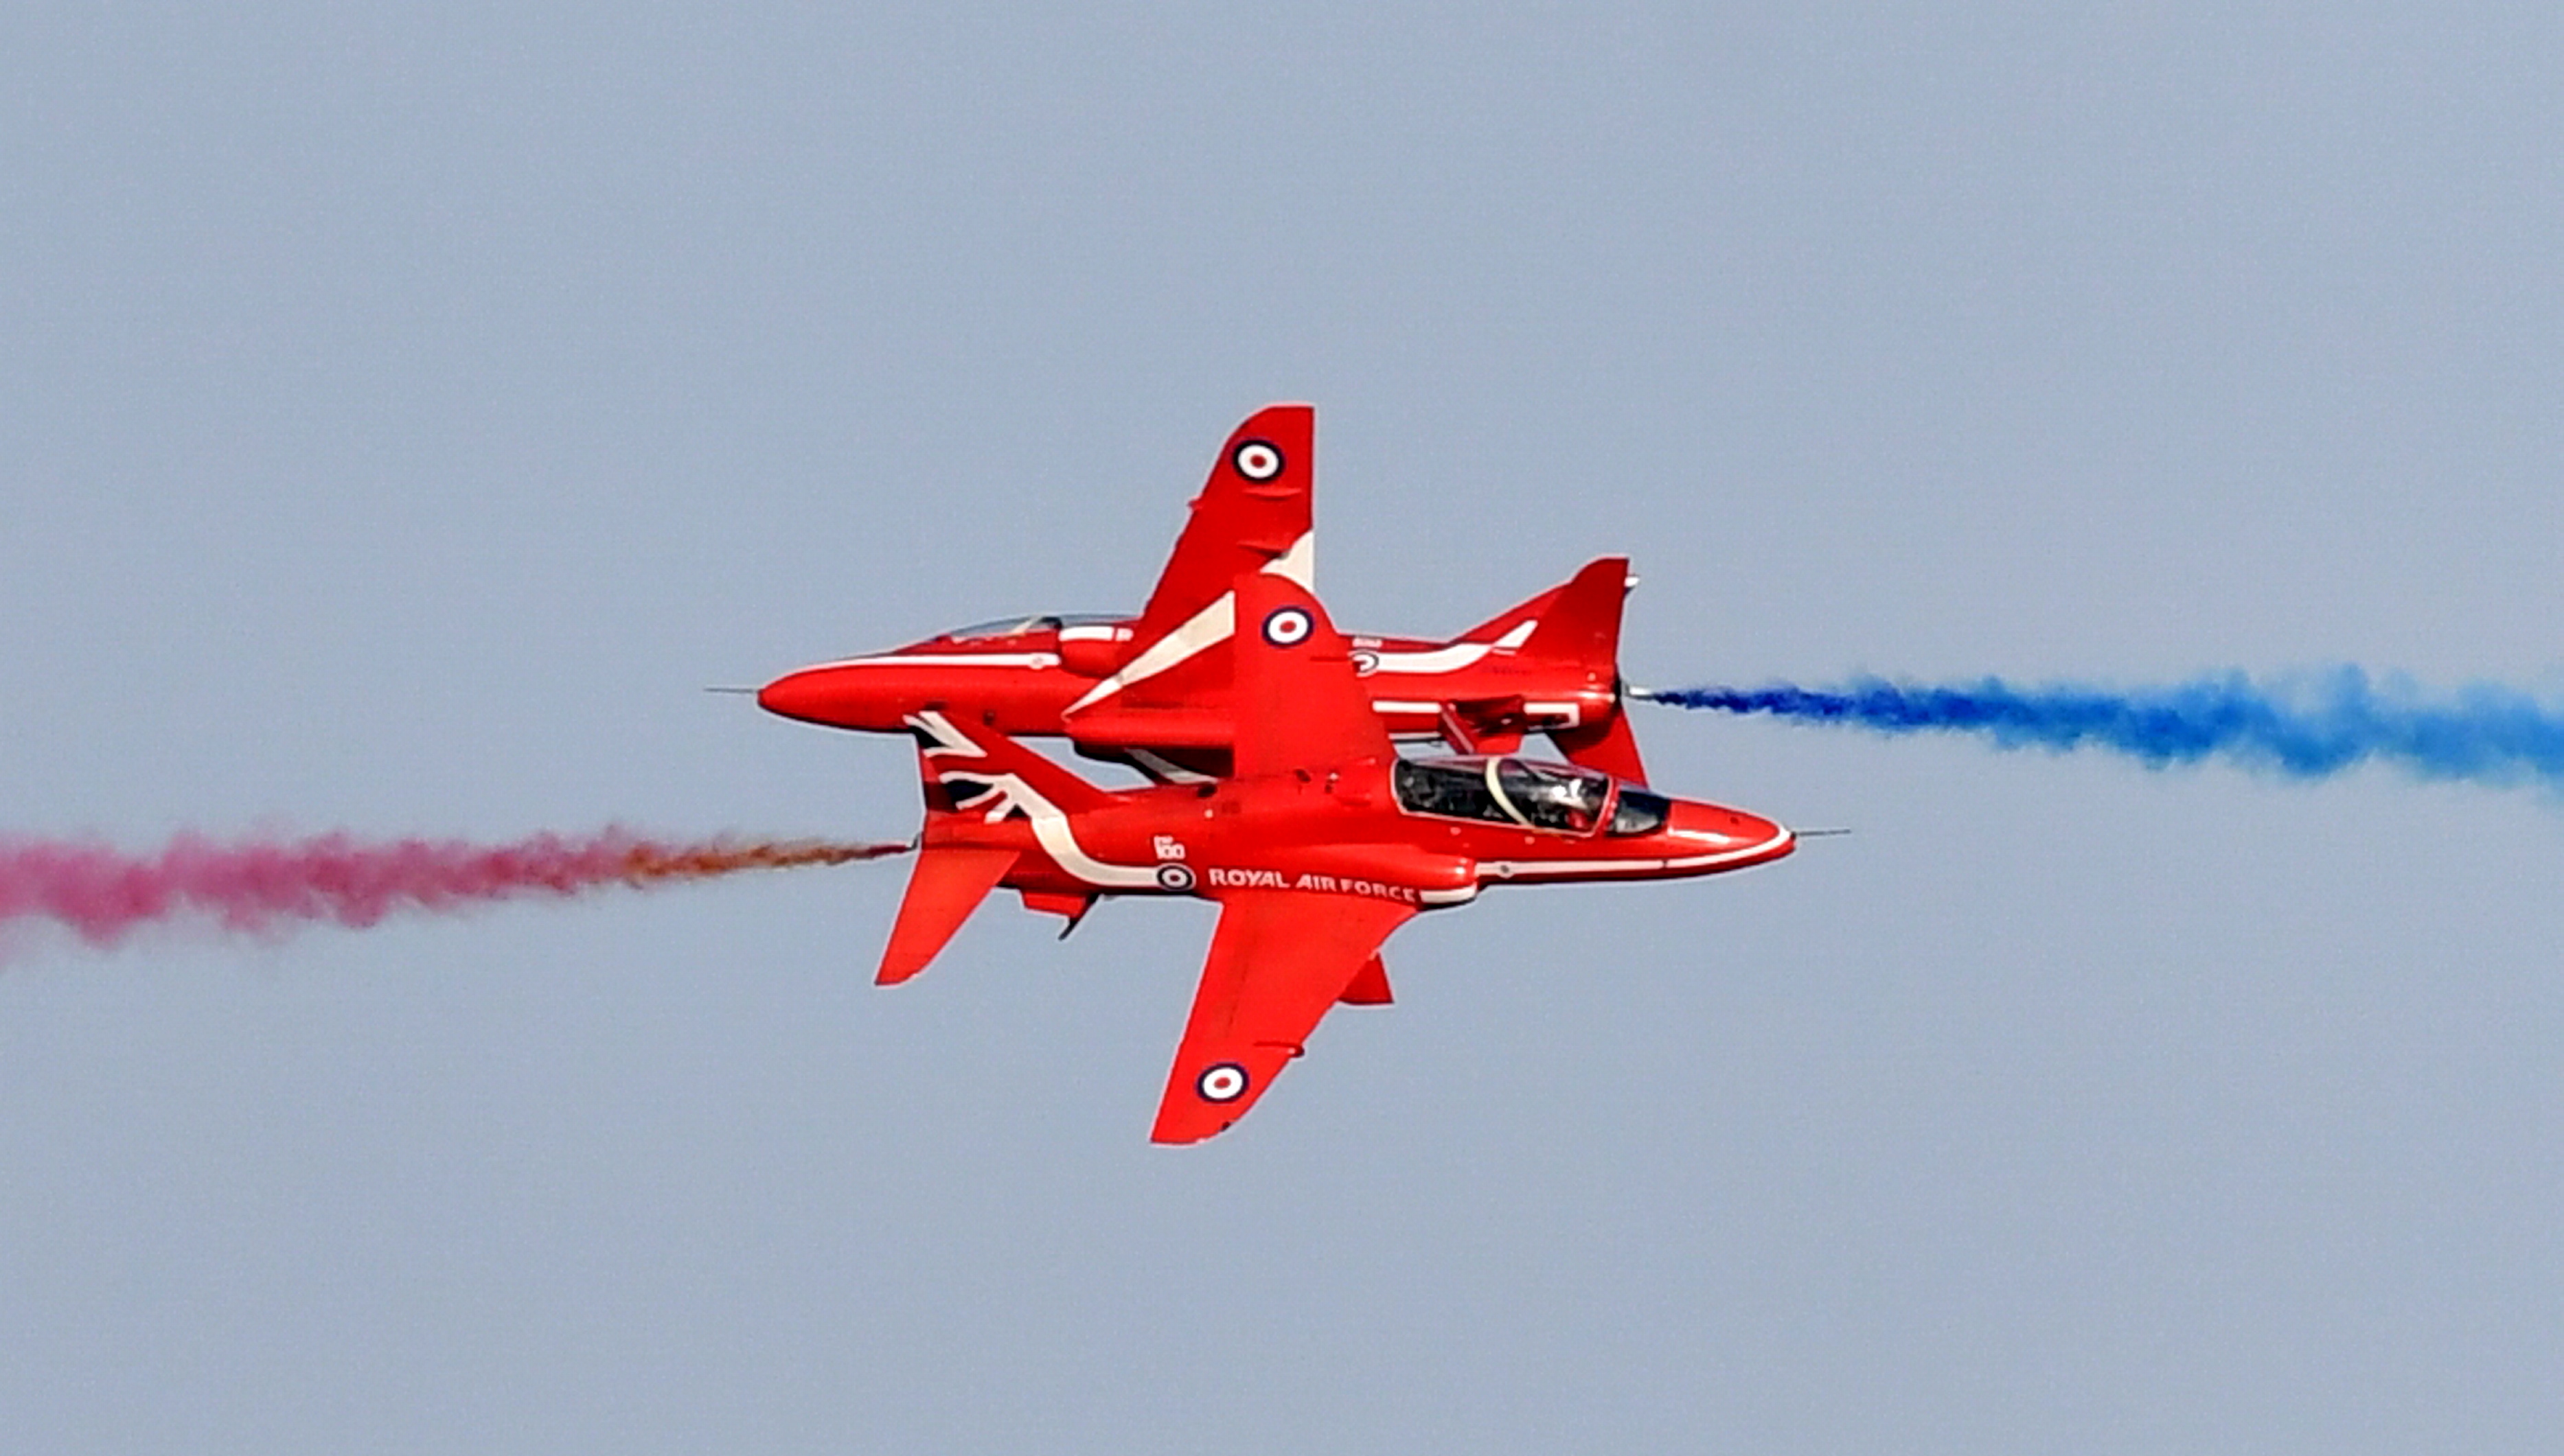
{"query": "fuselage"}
{"type": "Point", "coordinates": [1428, 832]}
{"type": "Point", "coordinates": [1081, 679]}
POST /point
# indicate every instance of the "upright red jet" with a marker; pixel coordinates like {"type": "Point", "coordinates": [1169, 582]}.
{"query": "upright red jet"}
{"type": "Point", "coordinates": [1153, 691]}
{"type": "Point", "coordinates": [1323, 842]}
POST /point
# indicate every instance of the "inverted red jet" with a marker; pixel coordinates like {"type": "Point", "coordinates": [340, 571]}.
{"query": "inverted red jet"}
{"type": "Point", "coordinates": [1153, 691]}
{"type": "Point", "coordinates": [1323, 842]}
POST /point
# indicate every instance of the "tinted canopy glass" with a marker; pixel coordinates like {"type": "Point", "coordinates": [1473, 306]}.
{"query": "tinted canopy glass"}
{"type": "Point", "coordinates": [1639, 812]}
{"type": "Point", "coordinates": [1553, 796]}
{"type": "Point", "coordinates": [1017, 626]}
{"type": "Point", "coordinates": [1452, 788]}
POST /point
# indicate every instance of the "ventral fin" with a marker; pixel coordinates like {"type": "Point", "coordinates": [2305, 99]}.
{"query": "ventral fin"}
{"type": "Point", "coordinates": [1368, 987]}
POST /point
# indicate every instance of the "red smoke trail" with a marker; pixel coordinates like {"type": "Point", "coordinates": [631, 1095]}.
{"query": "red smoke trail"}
{"type": "Point", "coordinates": [264, 886]}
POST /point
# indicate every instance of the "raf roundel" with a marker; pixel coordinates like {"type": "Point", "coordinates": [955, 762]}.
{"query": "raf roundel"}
{"type": "Point", "coordinates": [1286, 627]}
{"type": "Point", "coordinates": [1221, 1082]}
{"type": "Point", "coordinates": [1256, 460]}
{"type": "Point", "coordinates": [1174, 877]}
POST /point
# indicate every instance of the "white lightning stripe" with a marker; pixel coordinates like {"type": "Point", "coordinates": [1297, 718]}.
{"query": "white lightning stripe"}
{"type": "Point", "coordinates": [1440, 660]}
{"type": "Point", "coordinates": [1051, 829]}
{"type": "Point", "coordinates": [1568, 868]}
{"type": "Point", "coordinates": [947, 738]}
{"type": "Point", "coordinates": [1299, 565]}
{"type": "Point", "coordinates": [1452, 656]}
{"type": "Point", "coordinates": [1211, 625]}
{"type": "Point", "coordinates": [1206, 628]}
{"type": "Point", "coordinates": [948, 660]}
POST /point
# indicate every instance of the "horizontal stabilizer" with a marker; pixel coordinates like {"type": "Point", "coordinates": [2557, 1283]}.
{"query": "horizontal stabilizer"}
{"type": "Point", "coordinates": [948, 882]}
{"type": "Point", "coordinates": [1582, 627]}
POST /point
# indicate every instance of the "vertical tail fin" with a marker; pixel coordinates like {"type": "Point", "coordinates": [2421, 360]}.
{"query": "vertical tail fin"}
{"type": "Point", "coordinates": [1578, 620]}
{"type": "Point", "coordinates": [1576, 624]}
{"type": "Point", "coordinates": [1299, 703]}
{"type": "Point", "coordinates": [1582, 627]}
{"type": "Point", "coordinates": [1583, 621]}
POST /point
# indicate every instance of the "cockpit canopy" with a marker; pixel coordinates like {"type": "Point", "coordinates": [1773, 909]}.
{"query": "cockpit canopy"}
{"type": "Point", "coordinates": [1020, 626]}
{"type": "Point", "coordinates": [1557, 798]}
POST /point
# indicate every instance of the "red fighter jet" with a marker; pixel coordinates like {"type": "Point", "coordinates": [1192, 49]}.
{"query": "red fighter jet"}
{"type": "Point", "coordinates": [1153, 691]}
{"type": "Point", "coordinates": [1323, 842]}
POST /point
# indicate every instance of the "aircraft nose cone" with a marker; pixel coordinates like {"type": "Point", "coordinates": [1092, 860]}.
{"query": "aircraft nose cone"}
{"type": "Point", "coordinates": [1731, 829]}
{"type": "Point", "coordinates": [812, 695]}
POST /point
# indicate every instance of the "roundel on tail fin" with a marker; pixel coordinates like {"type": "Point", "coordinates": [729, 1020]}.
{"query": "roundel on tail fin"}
{"type": "Point", "coordinates": [1257, 460]}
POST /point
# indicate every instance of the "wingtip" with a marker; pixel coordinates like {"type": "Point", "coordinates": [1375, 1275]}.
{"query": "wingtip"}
{"type": "Point", "coordinates": [1176, 1131]}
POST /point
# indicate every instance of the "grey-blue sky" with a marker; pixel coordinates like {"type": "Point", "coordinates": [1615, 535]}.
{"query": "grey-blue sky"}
{"type": "Point", "coordinates": [402, 415]}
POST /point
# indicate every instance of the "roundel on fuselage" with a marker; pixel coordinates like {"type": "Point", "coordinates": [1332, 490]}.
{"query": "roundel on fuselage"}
{"type": "Point", "coordinates": [1286, 626]}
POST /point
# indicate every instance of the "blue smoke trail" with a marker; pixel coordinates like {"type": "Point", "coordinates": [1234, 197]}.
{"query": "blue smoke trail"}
{"type": "Point", "coordinates": [2312, 727]}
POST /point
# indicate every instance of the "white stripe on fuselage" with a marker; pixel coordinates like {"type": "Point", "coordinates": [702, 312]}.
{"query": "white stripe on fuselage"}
{"type": "Point", "coordinates": [947, 660]}
{"type": "Point", "coordinates": [1452, 656]}
{"type": "Point", "coordinates": [1570, 869]}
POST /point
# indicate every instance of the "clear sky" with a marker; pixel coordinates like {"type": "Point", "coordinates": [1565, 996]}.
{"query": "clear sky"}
{"type": "Point", "coordinates": [404, 411]}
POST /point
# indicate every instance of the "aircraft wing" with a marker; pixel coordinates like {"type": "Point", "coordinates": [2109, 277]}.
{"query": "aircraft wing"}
{"type": "Point", "coordinates": [1278, 960]}
{"type": "Point", "coordinates": [1253, 514]}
